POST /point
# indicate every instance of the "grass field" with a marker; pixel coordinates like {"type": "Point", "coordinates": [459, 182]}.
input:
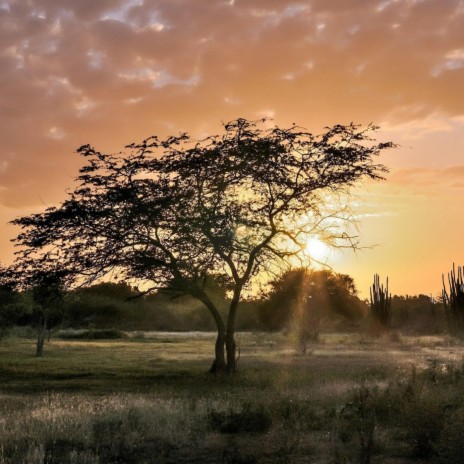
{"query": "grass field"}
{"type": "Point", "coordinates": [150, 400]}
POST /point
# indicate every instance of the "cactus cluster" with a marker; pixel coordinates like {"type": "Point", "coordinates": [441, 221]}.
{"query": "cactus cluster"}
{"type": "Point", "coordinates": [453, 300]}
{"type": "Point", "coordinates": [381, 303]}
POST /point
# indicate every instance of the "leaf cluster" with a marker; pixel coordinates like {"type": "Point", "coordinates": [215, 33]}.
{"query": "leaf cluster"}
{"type": "Point", "coordinates": [172, 212]}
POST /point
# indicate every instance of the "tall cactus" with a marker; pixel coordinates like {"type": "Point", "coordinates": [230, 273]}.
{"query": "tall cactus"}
{"type": "Point", "coordinates": [453, 300]}
{"type": "Point", "coordinates": [381, 303]}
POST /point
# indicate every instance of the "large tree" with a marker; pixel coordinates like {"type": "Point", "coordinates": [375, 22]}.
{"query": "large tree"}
{"type": "Point", "coordinates": [169, 213]}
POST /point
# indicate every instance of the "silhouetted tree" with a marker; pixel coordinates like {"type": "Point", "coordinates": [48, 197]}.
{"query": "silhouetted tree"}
{"type": "Point", "coordinates": [100, 304]}
{"type": "Point", "coordinates": [305, 297]}
{"type": "Point", "coordinates": [172, 212]}
{"type": "Point", "coordinates": [47, 296]}
{"type": "Point", "coordinates": [9, 310]}
{"type": "Point", "coordinates": [116, 291]}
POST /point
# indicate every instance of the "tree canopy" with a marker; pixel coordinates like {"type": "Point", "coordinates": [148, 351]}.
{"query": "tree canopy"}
{"type": "Point", "coordinates": [304, 296]}
{"type": "Point", "coordinates": [168, 213]}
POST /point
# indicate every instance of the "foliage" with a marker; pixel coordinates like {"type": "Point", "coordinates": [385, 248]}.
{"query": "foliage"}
{"type": "Point", "coordinates": [102, 304]}
{"type": "Point", "coordinates": [450, 446]}
{"type": "Point", "coordinates": [425, 408]}
{"type": "Point", "coordinates": [10, 310]}
{"type": "Point", "coordinates": [115, 291]}
{"type": "Point", "coordinates": [172, 212]}
{"type": "Point", "coordinates": [305, 297]}
{"type": "Point", "coordinates": [355, 427]}
{"type": "Point", "coordinates": [250, 419]}
{"type": "Point", "coordinates": [417, 314]}
{"type": "Point", "coordinates": [118, 305]}
{"type": "Point", "coordinates": [15, 307]}
{"type": "Point", "coordinates": [48, 308]}
{"type": "Point", "coordinates": [93, 334]}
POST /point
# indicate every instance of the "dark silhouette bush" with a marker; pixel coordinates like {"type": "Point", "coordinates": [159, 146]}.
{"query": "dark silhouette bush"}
{"type": "Point", "coordinates": [249, 420]}
{"type": "Point", "coordinates": [96, 334]}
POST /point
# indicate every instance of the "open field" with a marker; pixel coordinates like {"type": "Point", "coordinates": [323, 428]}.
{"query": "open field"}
{"type": "Point", "coordinates": [150, 400]}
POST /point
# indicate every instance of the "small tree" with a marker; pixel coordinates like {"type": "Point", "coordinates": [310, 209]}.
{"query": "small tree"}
{"type": "Point", "coordinates": [172, 212]}
{"type": "Point", "coordinates": [301, 299]}
{"type": "Point", "coordinates": [47, 296]}
{"type": "Point", "coordinates": [381, 303]}
{"type": "Point", "coordinates": [9, 312]}
{"type": "Point", "coordinates": [453, 300]}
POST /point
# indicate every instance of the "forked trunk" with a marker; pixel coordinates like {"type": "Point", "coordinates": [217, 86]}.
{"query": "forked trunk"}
{"type": "Point", "coordinates": [219, 363]}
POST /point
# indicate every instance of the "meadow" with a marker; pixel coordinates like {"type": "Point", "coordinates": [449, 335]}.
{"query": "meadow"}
{"type": "Point", "coordinates": [148, 398]}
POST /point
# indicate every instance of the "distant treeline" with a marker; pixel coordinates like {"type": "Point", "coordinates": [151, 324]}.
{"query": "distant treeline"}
{"type": "Point", "coordinates": [326, 301]}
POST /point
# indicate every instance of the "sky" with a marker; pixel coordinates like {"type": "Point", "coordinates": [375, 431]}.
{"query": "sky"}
{"type": "Point", "coordinates": [112, 72]}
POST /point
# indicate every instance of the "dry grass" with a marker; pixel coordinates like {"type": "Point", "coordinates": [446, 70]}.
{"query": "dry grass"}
{"type": "Point", "coordinates": [151, 400]}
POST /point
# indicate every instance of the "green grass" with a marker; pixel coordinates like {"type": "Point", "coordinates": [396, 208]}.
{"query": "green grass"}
{"type": "Point", "coordinates": [151, 400]}
{"type": "Point", "coordinates": [142, 364]}
{"type": "Point", "coordinates": [98, 366]}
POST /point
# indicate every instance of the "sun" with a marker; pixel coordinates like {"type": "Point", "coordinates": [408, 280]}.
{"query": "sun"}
{"type": "Point", "coordinates": [317, 249]}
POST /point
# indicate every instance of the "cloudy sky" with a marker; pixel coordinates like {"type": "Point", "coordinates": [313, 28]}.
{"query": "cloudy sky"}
{"type": "Point", "coordinates": [110, 72]}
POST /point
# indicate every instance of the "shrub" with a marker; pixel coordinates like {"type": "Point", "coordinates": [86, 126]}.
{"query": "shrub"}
{"type": "Point", "coordinates": [451, 444]}
{"type": "Point", "coordinates": [249, 420]}
{"type": "Point", "coordinates": [423, 419]}
{"type": "Point", "coordinates": [92, 334]}
{"type": "Point", "coordinates": [354, 428]}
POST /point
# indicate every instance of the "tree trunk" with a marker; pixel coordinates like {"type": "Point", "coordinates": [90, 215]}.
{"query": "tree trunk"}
{"type": "Point", "coordinates": [219, 363]}
{"type": "Point", "coordinates": [41, 338]}
{"type": "Point", "coordinates": [231, 350]}
{"type": "Point", "coordinates": [231, 346]}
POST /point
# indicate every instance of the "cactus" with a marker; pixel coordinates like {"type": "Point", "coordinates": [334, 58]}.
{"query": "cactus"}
{"type": "Point", "coordinates": [453, 300]}
{"type": "Point", "coordinates": [381, 303]}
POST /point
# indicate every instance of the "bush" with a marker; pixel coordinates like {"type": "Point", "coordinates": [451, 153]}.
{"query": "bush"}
{"type": "Point", "coordinates": [451, 444]}
{"type": "Point", "coordinates": [424, 418]}
{"type": "Point", "coordinates": [93, 334]}
{"type": "Point", "coordinates": [355, 427]}
{"type": "Point", "coordinates": [249, 420]}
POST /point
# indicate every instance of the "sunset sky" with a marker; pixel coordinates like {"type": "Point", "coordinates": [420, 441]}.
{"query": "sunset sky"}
{"type": "Point", "coordinates": [111, 72]}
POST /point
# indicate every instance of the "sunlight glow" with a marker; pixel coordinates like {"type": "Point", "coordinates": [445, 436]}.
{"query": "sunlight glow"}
{"type": "Point", "coordinates": [317, 250]}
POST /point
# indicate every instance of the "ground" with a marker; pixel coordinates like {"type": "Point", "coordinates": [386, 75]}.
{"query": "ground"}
{"type": "Point", "coordinates": [148, 398]}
